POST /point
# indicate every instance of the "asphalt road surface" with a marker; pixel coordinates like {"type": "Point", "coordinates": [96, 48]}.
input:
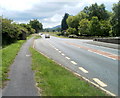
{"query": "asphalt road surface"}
{"type": "Point", "coordinates": [21, 75]}
{"type": "Point", "coordinates": [97, 63]}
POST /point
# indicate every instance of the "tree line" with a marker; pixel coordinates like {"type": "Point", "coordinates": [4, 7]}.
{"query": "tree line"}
{"type": "Point", "coordinates": [12, 31]}
{"type": "Point", "coordinates": [93, 20]}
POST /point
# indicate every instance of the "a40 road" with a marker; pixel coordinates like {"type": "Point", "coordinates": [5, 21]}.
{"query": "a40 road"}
{"type": "Point", "coordinates": [97, 63]}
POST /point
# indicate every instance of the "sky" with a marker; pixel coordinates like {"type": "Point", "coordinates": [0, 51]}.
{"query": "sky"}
{"type": "Point", "coordinates": [48, 12]}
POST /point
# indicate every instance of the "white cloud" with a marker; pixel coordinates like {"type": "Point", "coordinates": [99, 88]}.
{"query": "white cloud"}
{"type": "Point", "coordinates": [17, 5]}
{"type": "Point", "coordinates": [49, 12]}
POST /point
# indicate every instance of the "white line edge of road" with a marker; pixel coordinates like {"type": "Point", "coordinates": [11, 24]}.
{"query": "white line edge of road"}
{"type": "Point", "coordinates": [83, 70]}
{"type": "Point", "coordinates": [108, 92]}
{"type": "Point", "coordinates": [99, 82]}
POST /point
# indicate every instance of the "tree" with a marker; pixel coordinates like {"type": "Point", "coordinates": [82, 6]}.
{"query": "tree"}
{"type": "Point", "coordinates": [73, 22]}
{"type": "Point", "coordinates": [84, 27]}
{"type": "Point", "coordinates": [29, 28]}
{"type": "Point", "coordinates": [10, 31]}
{"type": "Point", "coordinates": [95, 26]}
{"type": "Point", "coordinates": [115, 20]}
{"type": "Point", "coordinates": [96, 10]}
{"type": "Point", "coordinates": [35, 24]}
{"type": "Point", "coordinates": [104, 28]}
{"type": "Point", "coordinates": [71, 31]}
{"type": "Point", "coordinates": [64, 25]}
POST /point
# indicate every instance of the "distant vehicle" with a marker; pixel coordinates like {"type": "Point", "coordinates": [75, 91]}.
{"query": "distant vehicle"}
{"type": "Point", "coordinates": [47, 36]}
{"type": "Point", "coordinates": [73, 36]}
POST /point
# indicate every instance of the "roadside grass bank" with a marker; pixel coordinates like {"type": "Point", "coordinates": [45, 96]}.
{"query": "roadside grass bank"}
{"type": "Point", "coordinates": [54, 80]}
{"type": "Point", "coordinates": [8, 54]}
{"type": "Point", "coordinates": [37, 37]}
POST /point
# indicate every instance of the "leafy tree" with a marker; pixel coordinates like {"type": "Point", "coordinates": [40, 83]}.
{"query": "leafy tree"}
{"type": "Point", "coordinates": [29, 28]}
{"type": "Point", "coordinates": [35, 24]}
{"type": "Point", "coordinates": [73, 22]}
{"type": "Point", "coordinates": [71, 31]}
{"type": "Point", "coordinates": [10, 31]}
{"type": "Point", "coordinates": [84, 27]}
{"type": "Point", "coordinates": [115, 20]}
{"type": "Point", "coordinates": [96, 10]}
{"type": "Point", "coordinates": [64, 25]}
{"type": "Point", "coordinates": [104, 28]}
{"type": "Point", "coordinates": [95, 26]}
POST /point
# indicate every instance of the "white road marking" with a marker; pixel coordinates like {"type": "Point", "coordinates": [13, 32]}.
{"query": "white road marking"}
{"type": "Point", "coordinates": [99, 82]}
{"type": "Point", "coordinates": [74, 62]}
{"type": "Point", "coordinates": [27, 55]}
{"type": "Point", "coordinates": [82, 69]}
{"type": "Point", "coordinates": [67, 58]}
{"type": "Point", "coordinates": [59, 51]}
{"type": "Point", "coordinates": [63, 54]}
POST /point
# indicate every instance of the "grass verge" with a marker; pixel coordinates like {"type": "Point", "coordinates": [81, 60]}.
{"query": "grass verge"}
{"type": "Point", "coordinates": [8, 55]}
{"type": "Point", "coordinates": [55, 80]}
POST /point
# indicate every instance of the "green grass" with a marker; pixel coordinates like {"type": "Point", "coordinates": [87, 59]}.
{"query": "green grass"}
{"type": "Point", "coordinates": [55, 80]}
{"type": "Point", "coordinates": [37, 37]}
{"type": "Point", "coordinates": [8, 55]}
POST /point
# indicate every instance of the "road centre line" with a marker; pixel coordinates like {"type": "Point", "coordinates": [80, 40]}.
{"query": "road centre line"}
{"type": "Point", "coordinates": [59, 51]}
{"type": "Point", "coordinates": [67, 58]}
{"type": "Point", "coordinates": [99, 82]}
{"type": "Point", "coordinates": [82, 69]}
{"type": "Point", "coordinates": [74, 62]}
{"type": "Point", "coordinates": [63, 54]}
{"type": "Point", "coordinates": [103, 53]}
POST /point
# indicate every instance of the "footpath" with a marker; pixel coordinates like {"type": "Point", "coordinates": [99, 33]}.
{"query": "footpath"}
{"type": "Point", "coordinates": [21, 76]}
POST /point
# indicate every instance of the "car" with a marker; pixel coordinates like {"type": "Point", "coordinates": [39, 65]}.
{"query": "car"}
{"type": "Point", "coordinates": [47, 36]}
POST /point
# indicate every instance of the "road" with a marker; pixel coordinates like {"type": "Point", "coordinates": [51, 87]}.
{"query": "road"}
{"type": "Point", "coordinates": [96, 63]}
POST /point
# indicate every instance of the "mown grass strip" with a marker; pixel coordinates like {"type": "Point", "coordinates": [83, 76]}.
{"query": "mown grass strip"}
{"type": "Point", "coordinates": [55, 80]}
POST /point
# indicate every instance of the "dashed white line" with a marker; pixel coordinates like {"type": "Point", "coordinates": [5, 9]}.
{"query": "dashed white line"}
{"type": "Point", "coordinates": [74, 62]}
{"type": "Point", "coordinates": [99, 82]}
{"type": "Point", "coordinates": [82, 69]}
{"type": "Point", "coordinates": [67, 58]}
{"type": "Point", "coordinates": [59, 51]}
{"type": "Point", "coordinates": [63, 54]}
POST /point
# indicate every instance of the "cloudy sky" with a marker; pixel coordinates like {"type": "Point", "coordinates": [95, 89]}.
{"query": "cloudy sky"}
{"type": "Point", "coordinates": [49, 12]}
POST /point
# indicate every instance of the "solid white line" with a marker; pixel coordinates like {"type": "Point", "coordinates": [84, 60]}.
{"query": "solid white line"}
{"type": "Point", "coordinates": [99, 82]}
{"type": "Point", "coordinates": [82, 69]}
{"type": "Point", "coordinates": [63, 54]}
{"type": "Point", "coordinates": [67, 58]}
{"type": "Point", "coordinates": [74, 62]}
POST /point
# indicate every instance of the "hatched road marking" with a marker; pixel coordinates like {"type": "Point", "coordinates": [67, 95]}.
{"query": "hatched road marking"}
{"type": "Point", "coordinates": [103, 53]}
{"type": "Point", "coordinates": [99, 82]}
{"type": "Point", "coordinates": [74, 62]}
{"type": "Point", "coordinates": [82, 69]}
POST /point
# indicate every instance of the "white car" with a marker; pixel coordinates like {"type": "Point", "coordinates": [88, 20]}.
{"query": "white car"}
{"type": "Point", "coordinates": [47, 36]}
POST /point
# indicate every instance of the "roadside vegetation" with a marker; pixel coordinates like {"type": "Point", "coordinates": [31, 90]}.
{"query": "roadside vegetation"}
{"type": "Point", "coordinates": [92, 21]}
{"type": "Point", "coordinates": [54, 80]}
